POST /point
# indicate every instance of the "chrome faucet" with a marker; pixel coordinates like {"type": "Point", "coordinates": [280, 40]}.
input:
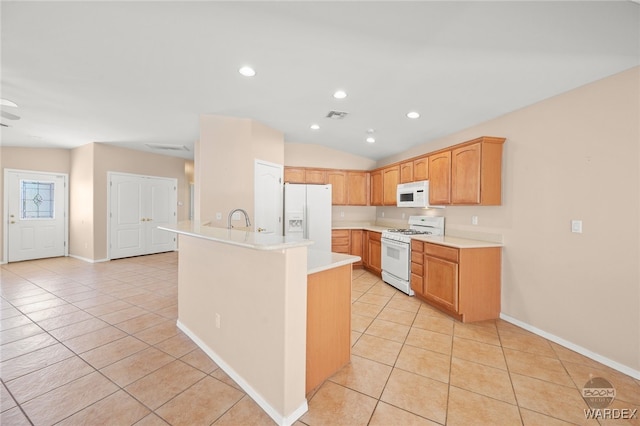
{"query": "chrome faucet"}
{"type": "Point", "coordinates": [246, 217]}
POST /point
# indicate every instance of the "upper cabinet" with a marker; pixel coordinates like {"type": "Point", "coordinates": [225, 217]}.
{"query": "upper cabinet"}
{"type": "Point", "coordinates": [315, 176]}
{"type": "Point", "coordinates": [357, 188]}
{"type": "Point", "coordinates": [476, 172]}
{"type": "Point", "coordinates": [440, 178]}
{"type": "Point", "coordinates": [376, 187]}
{"type": "Point", "coordinates": [390, 180]}
{"type": "Point", "coordinates": [407, 172]}
{"type": "Point", "coordinates": [421, 168]}
{"type": "Point", "coordinates": [338, 181]}
{"type": "Point", "coordinates": [294, 175]}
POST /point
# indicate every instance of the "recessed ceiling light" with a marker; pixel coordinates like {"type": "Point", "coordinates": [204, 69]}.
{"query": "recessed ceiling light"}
{"type": "Point", "coordinates": [314, 127]}
{"type": "Point", "coordinates": [247, 71]}
{"type": "Point", "coordinates": [7, 102]}
{"type": "Point", "coordinates": [340, 94]}
{"type": "Point", "coordinates": [370, 139]}
{"type": "Point", "coordinates": [413, 114]}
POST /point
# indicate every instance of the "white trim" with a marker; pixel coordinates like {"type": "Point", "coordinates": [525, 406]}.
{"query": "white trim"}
{"type": "Point", "coordinates": [576, 348]}
{"type": "Point", "coordinates": [84, 259]}
{"type": "Point", "coordinates": [5, 209]}
{"type": "Point", "coordinates": [272, 412]}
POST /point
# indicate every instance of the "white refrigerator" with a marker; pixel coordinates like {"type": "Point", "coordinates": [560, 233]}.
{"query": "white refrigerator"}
{"type": "Point", "coordinates": [307, 214]}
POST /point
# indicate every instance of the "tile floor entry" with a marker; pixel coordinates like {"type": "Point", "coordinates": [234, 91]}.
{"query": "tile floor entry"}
{"type": "Point", "coordinates": [97, 344]}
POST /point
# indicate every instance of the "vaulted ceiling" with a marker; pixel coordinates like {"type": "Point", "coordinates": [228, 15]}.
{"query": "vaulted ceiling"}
{"type": "Point", "coordinates": [141, 72]}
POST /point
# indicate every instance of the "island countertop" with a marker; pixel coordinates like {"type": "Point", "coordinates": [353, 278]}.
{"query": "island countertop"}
{"type": "Point", "coordinates": [318, 261]}
{"type": "Point", "coordinates": [248, 239]}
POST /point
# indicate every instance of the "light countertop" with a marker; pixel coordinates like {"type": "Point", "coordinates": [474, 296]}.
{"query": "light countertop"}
{"type": "Point", "coordinates": [248, 239]}
{"type": "Point", "coordinates": [318, 261]}
{"type": "Point", "coordinates": [444, 240]}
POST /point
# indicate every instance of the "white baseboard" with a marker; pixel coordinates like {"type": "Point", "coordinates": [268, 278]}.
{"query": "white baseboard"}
{"type": "Point", "coordinates": [84, 259]}
{"type": "Point", "coordinates": [576, 348]}
{"type": "Point", "coordinates": [273, 413]}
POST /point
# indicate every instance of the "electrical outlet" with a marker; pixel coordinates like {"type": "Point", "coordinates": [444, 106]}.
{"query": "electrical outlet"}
{"type": "Point", "coordinates": [341, 214]}
{"type": "Point", "coordinates": [217, 320]}
{"type": "Point", "coordinates": [403, 215]}
{"type": "Point", "coordinates": [382, 214]}
{"type": "Point", "coordinates": [474, 220]}
{"type": "Point", "coordinates": [218, 216]}
{"type": "Point", "coordinates": [576, 226]}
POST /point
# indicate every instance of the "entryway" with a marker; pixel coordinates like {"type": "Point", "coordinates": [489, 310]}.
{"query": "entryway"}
{"type": "Point", "coordinates": [36, 208]}
{"type": "Point", "coordinates": [137, 206]}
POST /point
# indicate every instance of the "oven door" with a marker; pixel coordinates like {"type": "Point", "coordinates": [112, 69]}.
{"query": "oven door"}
{"type": "Point", "coordinates": [396, 258]}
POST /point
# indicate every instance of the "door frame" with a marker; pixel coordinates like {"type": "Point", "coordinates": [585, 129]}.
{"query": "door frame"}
{"type": "Point", "coordinates": [5, 209]}
{"type": "Point", "coordinates": [255, 168]}
{"type": "Point", "coordinates": [109, 176]}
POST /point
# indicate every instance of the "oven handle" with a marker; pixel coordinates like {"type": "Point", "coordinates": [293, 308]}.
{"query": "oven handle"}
{"type": "Point", "coordinates": [395, 243]}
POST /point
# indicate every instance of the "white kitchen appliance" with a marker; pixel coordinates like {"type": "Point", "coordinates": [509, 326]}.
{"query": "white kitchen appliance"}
{"type": "Point", "coordinates": [307, 214]}
{"type": "Point", "coordinates": [414, 194]}
{"type": "Point", "coordinates": [396, 250]}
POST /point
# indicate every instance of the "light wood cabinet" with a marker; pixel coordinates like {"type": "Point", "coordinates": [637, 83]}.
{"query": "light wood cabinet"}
{"type": "Point", "coordinates": [376, 188]}
{"type": "Point", "coordinates": [294, 175]}
{"type": "Point", "coordinates": [338, 181]}
{"type": "Point", "coordinates": [406, 172]}
{"type": "Point", "coordinates": [340, 241]}
{"type": "Point", "coordinates": [357, 188]}
{"type": "Point", "coordinates": [356, 245]}
{"type": "Point", "coordinates": [476, 170]}
{"type": "Point", "coordinates": [465, 283]}
{"type": "Point", "coordinates": [421, 169]}
{"type": "Point", "coordinates": [315, 176]}
{"type": "Point", "coordinates": [440, 178]}
{"type": "Point", "coordinates": [390, 180]}
{"type": "Point", "coordinates": [373, 254]}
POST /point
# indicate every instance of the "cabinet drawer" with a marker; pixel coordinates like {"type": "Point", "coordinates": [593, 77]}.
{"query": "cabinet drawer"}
{"type": "Point", "coordinates": [417, 268]}
{"type": "Point", "coordinates": [340, 248]}
{"type": "Point", "coordinates": [340, 241]}
{"type": "Point", "coordinates": [375, 236]}
{"type": "Point", "coordinates": [442, 252]}
{"type": "Point", "coordinates": [417, 257]}
{"type": "Point", "coordinates": [417, 246]}
{"type": "Point", "coordinates": [336, 233]}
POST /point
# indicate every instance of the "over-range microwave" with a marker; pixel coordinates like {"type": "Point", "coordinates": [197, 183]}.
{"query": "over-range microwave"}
{"type": "Point", "coordinates": [414, 194]}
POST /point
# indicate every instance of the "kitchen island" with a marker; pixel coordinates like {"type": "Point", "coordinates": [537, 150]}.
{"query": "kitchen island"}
{"type": "Point", "coordinates": [265, 309]}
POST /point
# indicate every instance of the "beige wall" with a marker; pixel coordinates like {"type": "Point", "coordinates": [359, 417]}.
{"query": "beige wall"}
{"type": "Point", "coordinates": [310, 155]}
{"type": "Point", "coordinates": [261, 342]}
{"type": "Point", "coordinates": [574, 156]}
{"type": "Point", "coordinates": [225, 161]}
{"type": "Point", "coordinates": [109, 158]}
{"type": "Point", "coordinates": [35, 159]}
{"type": "Point", "coordinates": [81, 203]}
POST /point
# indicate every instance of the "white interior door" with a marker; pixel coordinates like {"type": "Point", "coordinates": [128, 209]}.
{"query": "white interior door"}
{"type": "Point", "coordinates": [268, 197]}
{"type": "Point", "coordinates": [36, 207]}
{"type": "Point", "coordinates": [138, 205]}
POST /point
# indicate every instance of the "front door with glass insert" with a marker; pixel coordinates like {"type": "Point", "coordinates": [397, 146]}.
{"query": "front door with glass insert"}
{"type": "Point", "coordinates": [36, 209]}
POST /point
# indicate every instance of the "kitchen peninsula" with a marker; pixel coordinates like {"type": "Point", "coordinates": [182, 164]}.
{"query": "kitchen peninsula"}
{"type": "Point", "coordinates": [272, 312]}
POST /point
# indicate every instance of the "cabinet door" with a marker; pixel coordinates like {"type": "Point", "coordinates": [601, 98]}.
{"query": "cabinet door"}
{"type": "Point", "coordinates": [375, 256]}
{"type": "Point", "coordinates": [293, 175]}
{"type": "Point", "coordinates": [406, 172]}
{"type": "Point", "coordinates": [390, 180]}
{"type": "Point", "coordinates": [441, 282]}
{"type": "Point", "coordinates": [465, 174]}
{"type": "Point", "coordinates": [440, 178]}
{"type": "Point", "coordinates": [356, 244]}
{"type": "Point", "coordinates": [315, 176]}
{"type": "Point", "coordinates": [338, 181]}
{"type": "Point", "coordinates": [376, 188]}
{"type": "Point", "coordinates": [357, 188]}
{"type": "Point", "coordinates": [421, 169]}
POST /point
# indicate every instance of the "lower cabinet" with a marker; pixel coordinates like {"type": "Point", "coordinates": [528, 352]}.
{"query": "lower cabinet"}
{"type": "Point", "coordinates": [373, 252]}
{"type": "Point", "coordinates": [348, 241]}
{"type": "Point", "coordinates": [465, 283]}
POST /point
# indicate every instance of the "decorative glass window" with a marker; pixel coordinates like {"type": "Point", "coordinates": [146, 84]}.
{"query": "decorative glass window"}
{"type": "Point", "coordinates": [37, 199]}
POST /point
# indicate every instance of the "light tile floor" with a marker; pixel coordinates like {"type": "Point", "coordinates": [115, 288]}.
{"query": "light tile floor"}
{"type": "Point", "coordinates": [97, 344]}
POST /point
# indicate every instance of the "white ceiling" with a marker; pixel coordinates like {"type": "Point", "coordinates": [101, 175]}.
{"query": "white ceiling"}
{"type": "Point", "coordinates": [131, 73]}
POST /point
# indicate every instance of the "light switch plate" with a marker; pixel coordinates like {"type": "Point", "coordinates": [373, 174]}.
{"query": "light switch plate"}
{"type": "Point", "coordinates": [576, 226]}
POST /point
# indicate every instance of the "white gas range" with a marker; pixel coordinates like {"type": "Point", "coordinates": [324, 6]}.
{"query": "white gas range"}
{"type": "Point", "coordinates": [396, 250]}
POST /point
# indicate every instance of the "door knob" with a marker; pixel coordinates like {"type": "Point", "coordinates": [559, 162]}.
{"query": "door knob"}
{"type": "Point", "coordinates": [261, 229]}
{"type": "Point", "coordinates": [11, 215]}
{"type": "Point", "coordinates": [12, 222]}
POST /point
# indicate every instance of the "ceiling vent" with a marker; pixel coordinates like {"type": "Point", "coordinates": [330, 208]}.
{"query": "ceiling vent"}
{"type": "Point", "coordinates": [337, 115]}
{"type": "Point", "coordinates": [167, 147]}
